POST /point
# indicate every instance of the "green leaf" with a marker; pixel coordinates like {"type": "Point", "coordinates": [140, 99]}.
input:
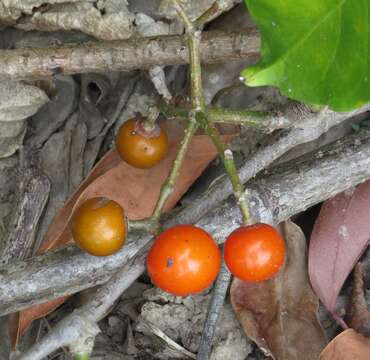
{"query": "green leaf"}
{"type": "Point", "coordinates": [315, 51]}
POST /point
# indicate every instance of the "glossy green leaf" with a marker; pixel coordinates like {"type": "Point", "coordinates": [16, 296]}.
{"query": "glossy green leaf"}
{"type": "Point", "coordinates": [315, 51]}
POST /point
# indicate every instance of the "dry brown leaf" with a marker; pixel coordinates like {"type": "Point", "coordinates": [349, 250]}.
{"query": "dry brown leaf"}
{"type": "Point", "coordinates": [340, 235]}
{"type": "Point", "coordinates": [280, 315]}
{"type": "Point", "coordinates": [136, 190]}
{"type": "Point", "coordinates": [358, 313]}
{"type": "Point", "coordinates": [348, 345]}
{"type": "Point", "coordinates": [19, 322]}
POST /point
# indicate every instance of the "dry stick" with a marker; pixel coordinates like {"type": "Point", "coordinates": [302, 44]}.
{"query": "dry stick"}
{"type": "Point", "coordinates": [69, 270]}
{"type": "Point", "coordinates": [80, 327]}
{"type": "Point", "coordinates": [283, 194]}
{"type": "Point", "coordinates": [132, 54]}
{"type": "Point", "coordinates": [216, 305]}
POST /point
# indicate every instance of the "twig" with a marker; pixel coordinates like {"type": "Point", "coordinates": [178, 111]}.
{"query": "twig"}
{"type": "Point", "coordinates": [78, 329]}
{"type": "Point", "coordinates": [135, 53]}
{"type": "Point", "coordinates": [282, 195]}
{"type": "Point", "coordinates": [65, 351]}
{"type": "Point", "coordinates": [217, 302]}
{"type": "Point", "coordinates": [172, 345]}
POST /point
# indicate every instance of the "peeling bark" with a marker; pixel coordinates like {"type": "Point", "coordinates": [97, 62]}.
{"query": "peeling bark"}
{"type": "Point", "coordinates": [135, 53]}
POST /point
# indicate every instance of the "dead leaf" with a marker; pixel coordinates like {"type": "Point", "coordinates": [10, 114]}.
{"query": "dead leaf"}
{"type": "Point", "coordinates": [19, 322]}
{"type": "Point", "coordinates": [358, 313]}
{"type": "Point", "coordinates": [349, 345]}
{"type": "Point", "coordinates": [341, 234]}
{"type": "Point", "coordinates": [136, 190]}
{"type": "Point", "coordinates": [280, 314]}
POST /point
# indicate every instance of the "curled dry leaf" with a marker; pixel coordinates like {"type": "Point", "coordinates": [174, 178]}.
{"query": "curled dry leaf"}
{"type": "Point", "coordinates": [280, 314]}
{"type": "Point", "coordinates": [136, 190]}
{"type": "Point", "coordinates": [340, 235]}
{"type": "Point", "coordinates": [358, 313]}
{"type": "Point", "coordinates": [349, 345]}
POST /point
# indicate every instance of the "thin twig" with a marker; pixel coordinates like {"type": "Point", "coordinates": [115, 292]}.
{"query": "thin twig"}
{"type": "Point", "coordinates": [64, 349]}
{"type": "Point", "coordinates": [171, 344]}
{"type": "Point", "coordinates": [218, 298]}
{"type": "Point", "coordinates": [78, 329]}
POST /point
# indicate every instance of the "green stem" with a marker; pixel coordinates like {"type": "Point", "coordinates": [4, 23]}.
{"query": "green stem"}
{"type": "Point", "coordinates": [207, 16]}
{"type": "Point", "coordinates": [227, 159]}
{"type": "Point", "coordinates": [254, 119]}
{"type": "Point", "coordinates": [81, 356]}
{"type": "Point", "coordinates": [196, 72]}
{"type": "Point", "coordinates": [194, 37]}
{"type": "Point", "coordinates": [245, 117]}
{"type": "Point", "coordinates": [168, 186]}
{"type": "Point", "coordinates": [184, 17]}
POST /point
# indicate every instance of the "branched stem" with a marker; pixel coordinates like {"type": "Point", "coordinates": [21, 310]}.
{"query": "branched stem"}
{"type": "Point", "coordinates": [199, 108]}
{"type": "Point", "coordinates": [189, 26]}
{"type": "Point", "coordinates": [197, 104]}
{"type": "Point", "coordinates": [255, 119]}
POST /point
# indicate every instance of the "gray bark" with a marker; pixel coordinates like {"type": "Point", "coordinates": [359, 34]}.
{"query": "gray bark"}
{"type": "Point", "coordinates": [138, 53]}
